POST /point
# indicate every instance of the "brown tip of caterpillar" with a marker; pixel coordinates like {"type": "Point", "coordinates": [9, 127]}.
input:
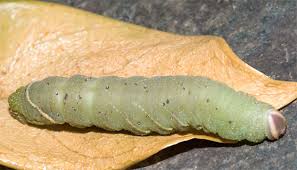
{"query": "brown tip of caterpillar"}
{"type": "Point", "coordinates": [277, 125]}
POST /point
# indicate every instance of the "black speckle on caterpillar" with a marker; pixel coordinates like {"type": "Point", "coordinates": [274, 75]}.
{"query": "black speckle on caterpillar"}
{"type": "Point", "coordinates": [142, 105]}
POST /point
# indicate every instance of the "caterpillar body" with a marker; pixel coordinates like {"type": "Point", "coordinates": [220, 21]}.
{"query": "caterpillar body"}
{"type": "Point", "coordinates": [143, 105]}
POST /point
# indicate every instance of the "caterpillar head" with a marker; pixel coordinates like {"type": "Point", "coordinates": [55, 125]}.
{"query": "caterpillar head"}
{"type": "Point", "coordinates": [21, 109]}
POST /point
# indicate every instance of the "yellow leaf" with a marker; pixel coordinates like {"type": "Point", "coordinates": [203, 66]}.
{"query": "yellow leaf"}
{"type": "Point", "coordinates": [42, 39]}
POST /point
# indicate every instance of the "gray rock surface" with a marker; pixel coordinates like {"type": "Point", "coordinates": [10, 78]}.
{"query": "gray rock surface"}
{"type": "Point", "coordinates": [263, 33]}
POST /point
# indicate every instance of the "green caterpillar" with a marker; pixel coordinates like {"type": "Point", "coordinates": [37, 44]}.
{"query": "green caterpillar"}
{"type": "Point", "coordinates": [141, 105]}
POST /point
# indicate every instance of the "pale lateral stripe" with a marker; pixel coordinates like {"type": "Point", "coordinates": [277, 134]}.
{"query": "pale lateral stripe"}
{"type": "Point", "coordinates": [130, 123]}
{"type": "Point", "coordinates": [36, 107]}
{"type": "Point", "coordinates": [174, 116]}
{"type": "Point", "coordinates": [178, 121]}
{"type": "Point", "coordinates": [126, 117]}
{"type": "Point", "coordinates": [154, 121]}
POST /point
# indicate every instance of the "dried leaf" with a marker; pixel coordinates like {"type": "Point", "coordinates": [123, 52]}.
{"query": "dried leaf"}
{"type": "Point", "coordinates": [42, 39]}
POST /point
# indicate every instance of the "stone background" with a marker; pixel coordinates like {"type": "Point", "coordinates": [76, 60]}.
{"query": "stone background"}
{"type": "Point", "coordinates": [262, 32]}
